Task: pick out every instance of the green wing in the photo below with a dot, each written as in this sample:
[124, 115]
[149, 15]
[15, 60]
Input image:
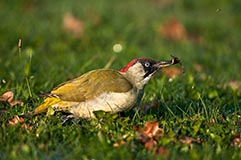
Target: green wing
[91, 84]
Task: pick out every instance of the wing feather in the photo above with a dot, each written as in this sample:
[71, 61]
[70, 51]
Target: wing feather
[91, 84]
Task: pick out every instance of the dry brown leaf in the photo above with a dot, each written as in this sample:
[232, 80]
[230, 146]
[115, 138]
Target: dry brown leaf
[19, 120]
[73, 25]
[237, 141]
[163, 151]
[173, 30]
[149, 136]
[116, 144]
[25, 126]
[235, 85]
[151, 129]
[186, 140]
[119, 143]
[197, 67]
[151, 145]
[136, 128]
[190, 140]
[13, 103]
[8, 97]
[172, 72]
[15, 120]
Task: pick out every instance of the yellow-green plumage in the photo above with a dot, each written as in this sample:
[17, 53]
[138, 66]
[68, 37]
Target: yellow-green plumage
[107, 90]
[92, 84]
[84, 88]
[49, 101]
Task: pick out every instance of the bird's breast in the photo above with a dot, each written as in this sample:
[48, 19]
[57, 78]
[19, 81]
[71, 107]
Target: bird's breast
[108, 102]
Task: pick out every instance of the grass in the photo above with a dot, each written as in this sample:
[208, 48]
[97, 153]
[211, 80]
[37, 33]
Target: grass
[195, 104]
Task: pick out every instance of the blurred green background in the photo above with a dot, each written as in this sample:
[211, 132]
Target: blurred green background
[214, 28]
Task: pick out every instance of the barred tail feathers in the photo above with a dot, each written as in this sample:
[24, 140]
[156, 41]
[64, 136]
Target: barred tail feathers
[48, 102]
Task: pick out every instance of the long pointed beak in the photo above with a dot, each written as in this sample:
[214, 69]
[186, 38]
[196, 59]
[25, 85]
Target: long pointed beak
[163, 64]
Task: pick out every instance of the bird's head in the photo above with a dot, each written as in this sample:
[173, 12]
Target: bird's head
[139, 71]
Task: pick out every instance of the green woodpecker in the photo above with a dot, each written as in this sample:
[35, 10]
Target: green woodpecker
[103, 89]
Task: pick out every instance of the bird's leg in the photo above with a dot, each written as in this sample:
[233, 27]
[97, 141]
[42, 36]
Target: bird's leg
[65, 118]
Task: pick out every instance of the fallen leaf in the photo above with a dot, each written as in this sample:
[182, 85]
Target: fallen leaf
[190, 140]
[19, 120]
[15, 120]
[197, 67]
[235, 85]
[151, 145]
[8, 97]
[73, 25]
[25, 126]
[236, 141]
[149, 136]
[173, 30]
[151, 129]
[119, 143]
[13, 103]
[116, 145]
[172, 72]
[136, 128]
[186, 140]
[163, 151]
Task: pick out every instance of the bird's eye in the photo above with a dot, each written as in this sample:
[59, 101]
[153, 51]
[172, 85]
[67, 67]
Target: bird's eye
[147, 64]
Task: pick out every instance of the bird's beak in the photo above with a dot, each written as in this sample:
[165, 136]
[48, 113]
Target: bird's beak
[163, 64]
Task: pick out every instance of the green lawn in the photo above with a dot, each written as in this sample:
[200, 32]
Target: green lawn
[198, 112]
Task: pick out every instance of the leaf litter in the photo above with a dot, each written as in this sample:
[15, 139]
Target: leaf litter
[149, 136]
[174, 30]
[73, 25]
[9, 98]
[18, 120]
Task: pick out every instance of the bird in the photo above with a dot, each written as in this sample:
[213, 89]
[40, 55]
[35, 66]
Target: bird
[105, 90]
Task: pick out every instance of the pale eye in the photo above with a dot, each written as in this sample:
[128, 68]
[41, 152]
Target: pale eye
[147, 64]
